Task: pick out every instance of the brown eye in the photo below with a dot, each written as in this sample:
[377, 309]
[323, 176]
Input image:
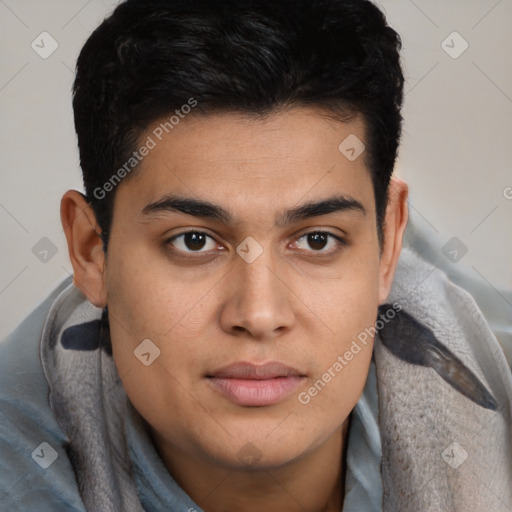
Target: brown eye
[317, 241]
[192, 241]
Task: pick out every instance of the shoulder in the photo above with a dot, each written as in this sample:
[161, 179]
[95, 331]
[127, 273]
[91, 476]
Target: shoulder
[35, 471]
[445, 390]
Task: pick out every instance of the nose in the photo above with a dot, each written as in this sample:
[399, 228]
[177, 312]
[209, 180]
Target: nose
[258, 298]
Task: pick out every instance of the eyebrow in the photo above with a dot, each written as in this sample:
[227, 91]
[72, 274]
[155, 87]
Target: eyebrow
[205, 209]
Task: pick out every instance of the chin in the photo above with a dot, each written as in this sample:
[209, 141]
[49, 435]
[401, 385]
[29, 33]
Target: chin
[259, 452]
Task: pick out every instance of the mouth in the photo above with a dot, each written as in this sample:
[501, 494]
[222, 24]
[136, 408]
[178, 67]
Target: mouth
[253, 385]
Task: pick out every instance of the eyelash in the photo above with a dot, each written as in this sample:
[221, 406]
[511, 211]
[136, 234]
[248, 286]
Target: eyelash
[189, 255]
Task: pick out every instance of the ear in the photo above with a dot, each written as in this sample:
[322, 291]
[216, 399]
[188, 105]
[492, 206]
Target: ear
[395, 223]
[85, 246]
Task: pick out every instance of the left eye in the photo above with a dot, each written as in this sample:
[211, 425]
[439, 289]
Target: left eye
[319, 240]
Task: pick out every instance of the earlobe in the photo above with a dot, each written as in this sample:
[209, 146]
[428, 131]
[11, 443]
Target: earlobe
[394, 227]
[85, 246]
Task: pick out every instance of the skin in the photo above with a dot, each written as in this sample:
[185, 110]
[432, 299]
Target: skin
[294, 304]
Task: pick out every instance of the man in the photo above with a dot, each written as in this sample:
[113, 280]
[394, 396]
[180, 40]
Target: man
[234, 256]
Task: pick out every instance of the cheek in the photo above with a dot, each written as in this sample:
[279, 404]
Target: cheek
[343, 358]
[341, 371]
[139, 310]
[148, 295]
[155, 302]
[351, 301]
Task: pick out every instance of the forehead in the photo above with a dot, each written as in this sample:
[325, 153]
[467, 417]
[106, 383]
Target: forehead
[258, 162]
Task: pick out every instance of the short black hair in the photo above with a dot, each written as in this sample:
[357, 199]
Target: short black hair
[151, 57]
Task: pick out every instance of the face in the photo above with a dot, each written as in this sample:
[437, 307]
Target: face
[251, 302]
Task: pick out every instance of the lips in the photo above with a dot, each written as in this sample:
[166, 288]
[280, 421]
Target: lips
[252, 385]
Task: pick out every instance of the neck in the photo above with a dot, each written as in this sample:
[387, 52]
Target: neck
[315, 482]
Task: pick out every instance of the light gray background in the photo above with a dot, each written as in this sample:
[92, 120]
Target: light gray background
[456, 151]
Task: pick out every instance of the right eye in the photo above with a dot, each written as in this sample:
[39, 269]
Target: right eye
[190, 242]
